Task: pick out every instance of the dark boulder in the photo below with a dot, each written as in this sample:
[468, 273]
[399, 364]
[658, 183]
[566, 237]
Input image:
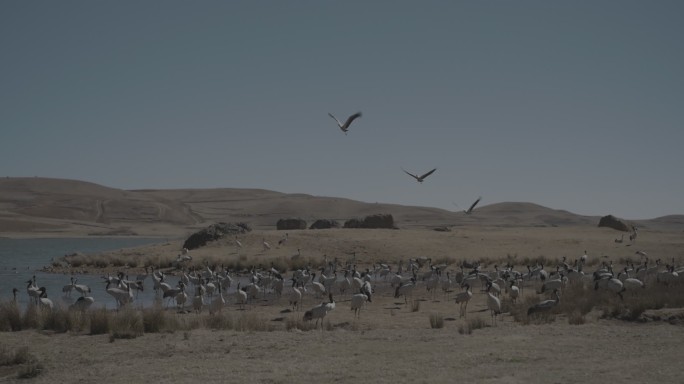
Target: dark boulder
[213, 233]
[290, 224]
[353, 223]
[379, 221]
[611, 221]
[324, 224]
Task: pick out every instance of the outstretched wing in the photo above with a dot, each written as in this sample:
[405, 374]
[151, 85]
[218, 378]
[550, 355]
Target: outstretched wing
[410, 174]
[474, 204]
[338, 122]
[350, 119]
[428, 174]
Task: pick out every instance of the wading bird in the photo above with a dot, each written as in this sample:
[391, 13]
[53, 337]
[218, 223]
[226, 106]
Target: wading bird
[318, 312]
[545, 305]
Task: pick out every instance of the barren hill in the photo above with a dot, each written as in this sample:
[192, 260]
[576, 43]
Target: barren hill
[43, 206]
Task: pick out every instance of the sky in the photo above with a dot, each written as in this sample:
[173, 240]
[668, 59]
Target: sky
[573, 105]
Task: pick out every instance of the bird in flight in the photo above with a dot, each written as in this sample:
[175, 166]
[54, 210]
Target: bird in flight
[419, 178]
[345, 127]
[472, 206]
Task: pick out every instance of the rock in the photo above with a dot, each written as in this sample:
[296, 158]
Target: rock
[353, 223]
[379, 221]
[213, 233]
[289, 224]
[442, 229]
[324, 224]
[611, 221]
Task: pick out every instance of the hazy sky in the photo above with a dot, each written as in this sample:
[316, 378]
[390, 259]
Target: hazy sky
[574, 105]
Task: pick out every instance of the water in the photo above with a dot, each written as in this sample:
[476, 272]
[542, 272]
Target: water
[21, 259]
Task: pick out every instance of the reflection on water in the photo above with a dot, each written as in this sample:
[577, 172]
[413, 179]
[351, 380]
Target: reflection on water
[21, 259]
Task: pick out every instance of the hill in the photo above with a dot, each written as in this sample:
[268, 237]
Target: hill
[44, 206]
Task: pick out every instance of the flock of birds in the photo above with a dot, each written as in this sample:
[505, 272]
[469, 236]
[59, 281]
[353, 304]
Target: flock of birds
[208, 288]
[419, 178]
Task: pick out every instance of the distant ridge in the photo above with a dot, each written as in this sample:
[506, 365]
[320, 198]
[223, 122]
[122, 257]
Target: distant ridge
[46, 205]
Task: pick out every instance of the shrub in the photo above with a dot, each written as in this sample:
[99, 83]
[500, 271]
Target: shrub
[252, 322]
[154, 319]
[10, 317]
[32, 318]
[99, 322]
[220, 321]
[436, 320]
[470, 325]
[415, 305]
[127, 324]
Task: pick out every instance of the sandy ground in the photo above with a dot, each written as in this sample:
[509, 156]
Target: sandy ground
[390, 342]
[508, 353]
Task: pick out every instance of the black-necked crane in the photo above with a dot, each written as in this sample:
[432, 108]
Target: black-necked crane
[295, 296]
[320, 311]
[545, 305]
[472, 206]
[172, 293]
[82, 303]
[420, 178]
[462, 298]
[514, 292]
[218, 302]
[493, 303]
[358, 301]
[182, 296]
[406, 290]
[241, 297]
[32, 290]
[283, 240]
[43, 299]
[631, 284]
[184, 256]
[121, 296]
[610, 283]
[198, 299]
[345, 127]
[80, 288]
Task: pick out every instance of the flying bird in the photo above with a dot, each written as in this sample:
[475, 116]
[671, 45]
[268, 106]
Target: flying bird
[472, 206]
[345, 127]
[419, 178]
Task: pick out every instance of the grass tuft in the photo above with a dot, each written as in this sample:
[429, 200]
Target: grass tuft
[99, 322]
[127, 324]
[10, 317]
[436, 321]
[415, 305]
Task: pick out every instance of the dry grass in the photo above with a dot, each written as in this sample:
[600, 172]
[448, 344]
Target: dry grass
[127, 324]
[470, 325]
[29, 366]
[10, 317]
[436, 320]
[578, 300]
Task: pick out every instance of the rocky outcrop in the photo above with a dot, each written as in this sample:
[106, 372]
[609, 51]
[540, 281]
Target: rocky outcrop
[379, 221]
[611, 221]
[372, 221]
[324, 224]
[290, 224]
[213, 233]
[353, 223]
